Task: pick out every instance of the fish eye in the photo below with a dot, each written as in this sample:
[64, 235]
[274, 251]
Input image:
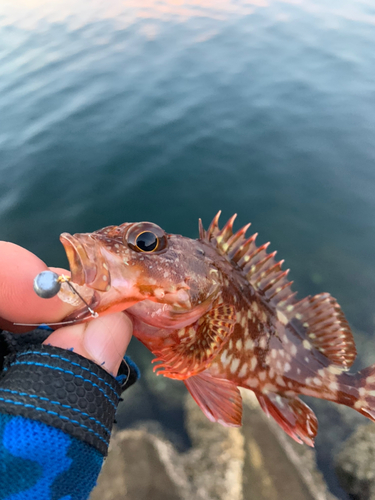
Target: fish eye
[146, 237]
[147, 241]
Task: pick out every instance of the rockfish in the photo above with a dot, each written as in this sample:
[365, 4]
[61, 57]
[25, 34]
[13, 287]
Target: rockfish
[219, 313]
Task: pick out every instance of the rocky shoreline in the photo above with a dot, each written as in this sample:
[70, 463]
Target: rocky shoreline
[257, 462]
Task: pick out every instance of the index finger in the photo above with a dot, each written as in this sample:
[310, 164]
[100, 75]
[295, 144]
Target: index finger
[18, 301]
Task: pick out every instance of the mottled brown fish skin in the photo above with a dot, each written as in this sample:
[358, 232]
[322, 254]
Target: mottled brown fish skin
[219, 313]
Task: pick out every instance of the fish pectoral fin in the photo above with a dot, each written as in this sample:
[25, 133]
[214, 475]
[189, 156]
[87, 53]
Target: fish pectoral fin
[325, 327]
[219, 399]
[190, 349]
[292, 415]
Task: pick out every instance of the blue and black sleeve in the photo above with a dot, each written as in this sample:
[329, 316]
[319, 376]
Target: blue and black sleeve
[56, 414]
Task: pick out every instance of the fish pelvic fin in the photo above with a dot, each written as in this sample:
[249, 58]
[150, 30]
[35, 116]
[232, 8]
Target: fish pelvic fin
[219, 399]
[320, 321]
[192, 348]
[262, 269]
[292, 415]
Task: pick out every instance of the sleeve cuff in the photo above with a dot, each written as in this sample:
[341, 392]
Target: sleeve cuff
[62, 389]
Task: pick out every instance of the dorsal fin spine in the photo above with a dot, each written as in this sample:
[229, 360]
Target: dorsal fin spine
[227, 230]
[202, 232]
[248, 245]
[282, 288]
[256, 271]
[259, 267]
[268, 288]
[235, 242]
[214, 226]
[254, 258]
[272, 273]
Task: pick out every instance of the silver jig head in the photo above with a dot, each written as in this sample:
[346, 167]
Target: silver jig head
[47, 284]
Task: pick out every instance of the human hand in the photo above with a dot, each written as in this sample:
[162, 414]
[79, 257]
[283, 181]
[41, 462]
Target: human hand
[103, 340]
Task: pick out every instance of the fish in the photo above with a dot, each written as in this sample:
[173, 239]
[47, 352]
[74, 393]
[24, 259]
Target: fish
[218, 313]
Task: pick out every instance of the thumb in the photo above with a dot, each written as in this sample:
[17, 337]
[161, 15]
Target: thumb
[103, 340]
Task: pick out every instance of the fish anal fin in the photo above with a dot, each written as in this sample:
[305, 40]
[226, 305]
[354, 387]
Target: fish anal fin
[190, 349]
[322, 322]
[219, 399]
[292, 415]
[262, 270]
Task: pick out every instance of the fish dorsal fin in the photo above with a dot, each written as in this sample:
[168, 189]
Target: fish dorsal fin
[262, 270]
[292, 415]
[190, 349]
[219, 399]
[322, 323]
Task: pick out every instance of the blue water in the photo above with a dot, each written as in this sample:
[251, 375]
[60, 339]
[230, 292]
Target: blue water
[168, 111]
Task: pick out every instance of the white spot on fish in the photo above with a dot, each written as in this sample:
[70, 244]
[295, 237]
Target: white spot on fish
[224, 358]
[336, 370]
[289, 393]
[243, 370]
[263, 343]
[333, 386]
[252, 382]
[287, 367]
[269, 388]
[249, 344]
[235, 364]
[262, 375]
[239, 344]
[306, 344]
[281, 317]
[280, 381]
[253, 363]
[293, 350]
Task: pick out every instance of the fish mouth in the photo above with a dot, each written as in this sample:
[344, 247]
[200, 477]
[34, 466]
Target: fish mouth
[86, 262]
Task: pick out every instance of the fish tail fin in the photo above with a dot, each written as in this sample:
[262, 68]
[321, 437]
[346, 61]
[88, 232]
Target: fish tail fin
[364, 402]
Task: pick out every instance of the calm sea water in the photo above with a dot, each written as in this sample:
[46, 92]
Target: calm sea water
[114, 111]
